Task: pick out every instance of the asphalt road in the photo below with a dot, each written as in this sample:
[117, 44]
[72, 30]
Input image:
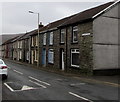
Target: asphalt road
[27, 83]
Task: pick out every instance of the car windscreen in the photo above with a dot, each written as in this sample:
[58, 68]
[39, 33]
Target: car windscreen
[1, 62]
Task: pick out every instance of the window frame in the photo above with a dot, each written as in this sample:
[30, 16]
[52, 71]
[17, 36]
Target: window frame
[62, 34]
[51, 51]
[36, 40]
[74, 29]
[20, 45]
[20, 54]
[72, 52]
[32, 41]
[51, 38]
[44, 38]
[27, 56]
[36, 55]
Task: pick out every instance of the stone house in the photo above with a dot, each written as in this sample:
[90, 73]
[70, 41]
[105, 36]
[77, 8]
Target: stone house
[86, 42]
[28, 43]
[16, 45]
[49, 44]
[106, 43]
[34, 47]
[67, 44]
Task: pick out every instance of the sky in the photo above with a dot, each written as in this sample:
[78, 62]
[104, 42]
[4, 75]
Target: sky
[16, 19]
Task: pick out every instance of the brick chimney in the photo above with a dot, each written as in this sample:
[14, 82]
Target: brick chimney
[41, 25]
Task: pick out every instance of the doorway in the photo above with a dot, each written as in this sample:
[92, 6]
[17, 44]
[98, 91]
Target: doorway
[44, 57]
[62, 64]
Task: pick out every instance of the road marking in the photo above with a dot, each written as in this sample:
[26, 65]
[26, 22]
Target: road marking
[9, 87]
[25, 87]
[17, 72]
[98, 81]
[80, 97]
[40, 81]
[37, 84]
[77, 84]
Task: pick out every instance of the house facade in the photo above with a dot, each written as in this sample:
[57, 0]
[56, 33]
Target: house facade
[86, 42]
[106, 39]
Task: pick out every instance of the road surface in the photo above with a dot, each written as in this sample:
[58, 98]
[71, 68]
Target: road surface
[27, 83]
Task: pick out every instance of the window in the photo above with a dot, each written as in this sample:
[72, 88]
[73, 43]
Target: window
[50, 56]
[62, 35]
[75, 57]
[44, 39]
[1, 62]
[32, 41]
[75, 34]
[51, 38]
[20, 44]
[36, 40]
[36, 55]
[27, 57]
[20, 55]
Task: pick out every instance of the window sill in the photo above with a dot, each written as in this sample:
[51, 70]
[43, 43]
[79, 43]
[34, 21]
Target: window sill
[50, 45]
[74, 42]
[44, 45]
[74, 66]
[61, 43]
[51, 63]
[36, 60]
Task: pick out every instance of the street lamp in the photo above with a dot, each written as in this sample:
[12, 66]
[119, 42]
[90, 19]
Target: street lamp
[38, 35]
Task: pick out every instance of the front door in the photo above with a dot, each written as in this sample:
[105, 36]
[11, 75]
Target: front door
[62, 66]
[44, 57]
[32, 57]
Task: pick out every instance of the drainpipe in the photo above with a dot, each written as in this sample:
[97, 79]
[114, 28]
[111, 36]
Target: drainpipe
[66, 51]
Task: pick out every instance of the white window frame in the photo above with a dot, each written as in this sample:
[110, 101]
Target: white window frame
[20, 44]
[74, 29]
[72, 52]
[44, 38]
[36, 40]
[20, 54]
[27, 57]
[32, 41]
[36, 55]
[50, 51]
[51, 38]
[62, 32]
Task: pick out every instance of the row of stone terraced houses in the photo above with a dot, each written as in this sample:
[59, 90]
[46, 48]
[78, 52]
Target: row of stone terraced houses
[86, 42]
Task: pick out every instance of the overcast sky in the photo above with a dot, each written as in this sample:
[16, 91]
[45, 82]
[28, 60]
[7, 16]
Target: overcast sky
[16, 19]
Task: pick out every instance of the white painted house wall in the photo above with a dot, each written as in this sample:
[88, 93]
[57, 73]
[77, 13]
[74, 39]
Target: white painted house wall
[105, 39]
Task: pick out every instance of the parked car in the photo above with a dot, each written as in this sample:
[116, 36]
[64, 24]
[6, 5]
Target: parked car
[3, 69]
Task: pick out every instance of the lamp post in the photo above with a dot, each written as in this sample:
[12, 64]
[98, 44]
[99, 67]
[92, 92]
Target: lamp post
[38, 35]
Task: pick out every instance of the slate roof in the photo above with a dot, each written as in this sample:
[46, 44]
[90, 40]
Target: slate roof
[76, 18]
[26, 35]
[87, 14]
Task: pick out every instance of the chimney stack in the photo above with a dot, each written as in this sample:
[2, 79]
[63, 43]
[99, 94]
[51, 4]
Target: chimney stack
[41, 25]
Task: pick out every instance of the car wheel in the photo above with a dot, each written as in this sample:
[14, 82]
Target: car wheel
[4, 77]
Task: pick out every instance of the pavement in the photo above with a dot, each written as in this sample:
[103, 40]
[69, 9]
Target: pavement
[113, 80]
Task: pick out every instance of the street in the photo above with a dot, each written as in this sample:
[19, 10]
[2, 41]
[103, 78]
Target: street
[27, 83]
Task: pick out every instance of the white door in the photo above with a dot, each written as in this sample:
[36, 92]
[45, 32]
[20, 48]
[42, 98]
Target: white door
[63, 66]
[32, 56]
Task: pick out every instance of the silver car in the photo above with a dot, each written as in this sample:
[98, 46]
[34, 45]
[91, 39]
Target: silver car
[3, 69]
